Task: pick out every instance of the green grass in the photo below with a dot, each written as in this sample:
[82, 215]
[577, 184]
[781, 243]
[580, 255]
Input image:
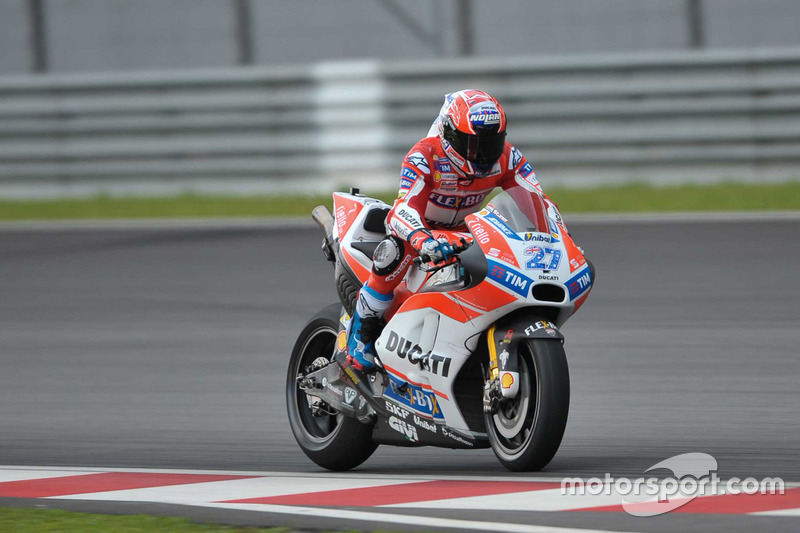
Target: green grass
[624, 198]
[13, 520]
[19, 520]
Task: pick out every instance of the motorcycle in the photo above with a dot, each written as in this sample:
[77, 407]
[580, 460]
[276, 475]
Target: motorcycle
[471, 354]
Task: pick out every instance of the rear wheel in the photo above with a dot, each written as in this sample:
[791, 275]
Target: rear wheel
[526, 431]
[333, 441]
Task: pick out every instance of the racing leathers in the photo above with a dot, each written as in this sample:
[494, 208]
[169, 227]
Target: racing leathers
[434, 195]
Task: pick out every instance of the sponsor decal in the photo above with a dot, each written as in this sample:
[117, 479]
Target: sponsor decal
[406, 183]
[543, 258]
[419, 161]
[400, 269]
[452, 154]
[409, 174]
[409, 218]
[503, 358]
[351, 374]
[480, 233]
[551, 332]
[442, 164]
[526, 172]
[526, 183]
[507, 380]
[508, 336]
[509, 278]
[502, 226]
[396, 410]
[349, 395]
[484, 114]
[537, 237]
[341, 341]
[516, 158]
[555, 233]
[328, 385]
[578, 284]
[456, 437]
[574, 264]
[547, 277]
[414, 397]
[542, 324]
[425, 424]
[449, 201]
[344, 319]
[429, 361]
[407, 430]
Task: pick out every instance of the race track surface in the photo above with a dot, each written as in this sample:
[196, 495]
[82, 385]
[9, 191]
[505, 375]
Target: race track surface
[168, 348]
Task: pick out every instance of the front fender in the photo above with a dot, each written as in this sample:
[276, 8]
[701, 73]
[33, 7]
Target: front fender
[504, 337]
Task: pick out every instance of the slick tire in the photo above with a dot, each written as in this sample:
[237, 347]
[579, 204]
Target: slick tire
[525, 433]
[334, 442]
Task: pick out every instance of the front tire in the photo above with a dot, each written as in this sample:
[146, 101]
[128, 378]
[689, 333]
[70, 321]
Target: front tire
[335, 442]
[526, 431]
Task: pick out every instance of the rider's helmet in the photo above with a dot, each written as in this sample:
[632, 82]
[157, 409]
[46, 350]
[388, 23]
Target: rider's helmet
[472, 128]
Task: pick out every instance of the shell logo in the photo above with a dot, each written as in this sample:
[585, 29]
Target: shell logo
[437, 176]
[507, 380]
[341, 340]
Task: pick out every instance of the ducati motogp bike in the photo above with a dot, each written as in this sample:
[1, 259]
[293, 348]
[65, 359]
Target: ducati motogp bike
[471, 354]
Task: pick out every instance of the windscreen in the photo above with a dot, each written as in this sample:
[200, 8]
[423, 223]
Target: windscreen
[523, 210]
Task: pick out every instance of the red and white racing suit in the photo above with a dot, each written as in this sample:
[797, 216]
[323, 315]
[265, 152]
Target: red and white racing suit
[435, 195]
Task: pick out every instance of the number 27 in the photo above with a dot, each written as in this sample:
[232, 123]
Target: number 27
[544, 259]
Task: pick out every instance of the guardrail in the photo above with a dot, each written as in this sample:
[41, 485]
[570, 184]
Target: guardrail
[662, 117]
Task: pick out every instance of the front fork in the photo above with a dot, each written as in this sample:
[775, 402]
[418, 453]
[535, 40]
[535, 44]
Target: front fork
[503, 380]
[503, 338]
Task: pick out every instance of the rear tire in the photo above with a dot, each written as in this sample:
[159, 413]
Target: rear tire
[333, 442]
[526, 432]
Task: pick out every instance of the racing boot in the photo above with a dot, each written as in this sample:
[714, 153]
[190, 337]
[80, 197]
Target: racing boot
[364, 328]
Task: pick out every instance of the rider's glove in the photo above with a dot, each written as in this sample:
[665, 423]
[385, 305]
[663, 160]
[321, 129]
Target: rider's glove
[439, 251]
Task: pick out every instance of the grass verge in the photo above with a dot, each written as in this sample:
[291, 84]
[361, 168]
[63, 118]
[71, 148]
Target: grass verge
[17, 520]
[24, 520]
[616, 199]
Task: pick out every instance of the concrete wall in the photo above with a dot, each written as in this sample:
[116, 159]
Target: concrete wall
[100, 35]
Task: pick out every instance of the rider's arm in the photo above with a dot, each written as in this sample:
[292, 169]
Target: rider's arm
[406, 219]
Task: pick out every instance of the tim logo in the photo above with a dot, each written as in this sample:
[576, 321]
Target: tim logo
[457, 202]
[509, 278]
[578, 284]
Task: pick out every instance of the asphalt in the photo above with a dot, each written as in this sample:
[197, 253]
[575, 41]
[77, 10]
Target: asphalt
[168, 348]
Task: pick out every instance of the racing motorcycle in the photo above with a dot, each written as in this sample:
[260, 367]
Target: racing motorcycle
[471, 354]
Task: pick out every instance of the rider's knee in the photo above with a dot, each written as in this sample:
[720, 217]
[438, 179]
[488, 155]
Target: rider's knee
[388, 256]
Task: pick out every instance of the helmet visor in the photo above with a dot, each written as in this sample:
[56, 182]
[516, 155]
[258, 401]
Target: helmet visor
[481, 150]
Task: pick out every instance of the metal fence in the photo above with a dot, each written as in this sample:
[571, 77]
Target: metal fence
[660, 117]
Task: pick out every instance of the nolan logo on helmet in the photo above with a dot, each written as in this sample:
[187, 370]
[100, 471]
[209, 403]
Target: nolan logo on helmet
[484, 114]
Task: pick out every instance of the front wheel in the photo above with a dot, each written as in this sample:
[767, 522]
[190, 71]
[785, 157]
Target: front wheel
[526, 431]
[333, 441]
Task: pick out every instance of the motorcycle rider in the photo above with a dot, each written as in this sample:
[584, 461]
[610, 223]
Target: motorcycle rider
[444, 177]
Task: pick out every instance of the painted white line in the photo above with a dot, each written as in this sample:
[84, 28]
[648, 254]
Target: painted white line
[235, 489]
[535, 500]
[306, 222]
[781, 512]
[411, 520]
[31, 475]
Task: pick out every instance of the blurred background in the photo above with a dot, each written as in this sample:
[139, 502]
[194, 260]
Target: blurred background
[161, 97]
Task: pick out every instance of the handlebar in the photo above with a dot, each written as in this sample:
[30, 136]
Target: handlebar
[457, 249]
